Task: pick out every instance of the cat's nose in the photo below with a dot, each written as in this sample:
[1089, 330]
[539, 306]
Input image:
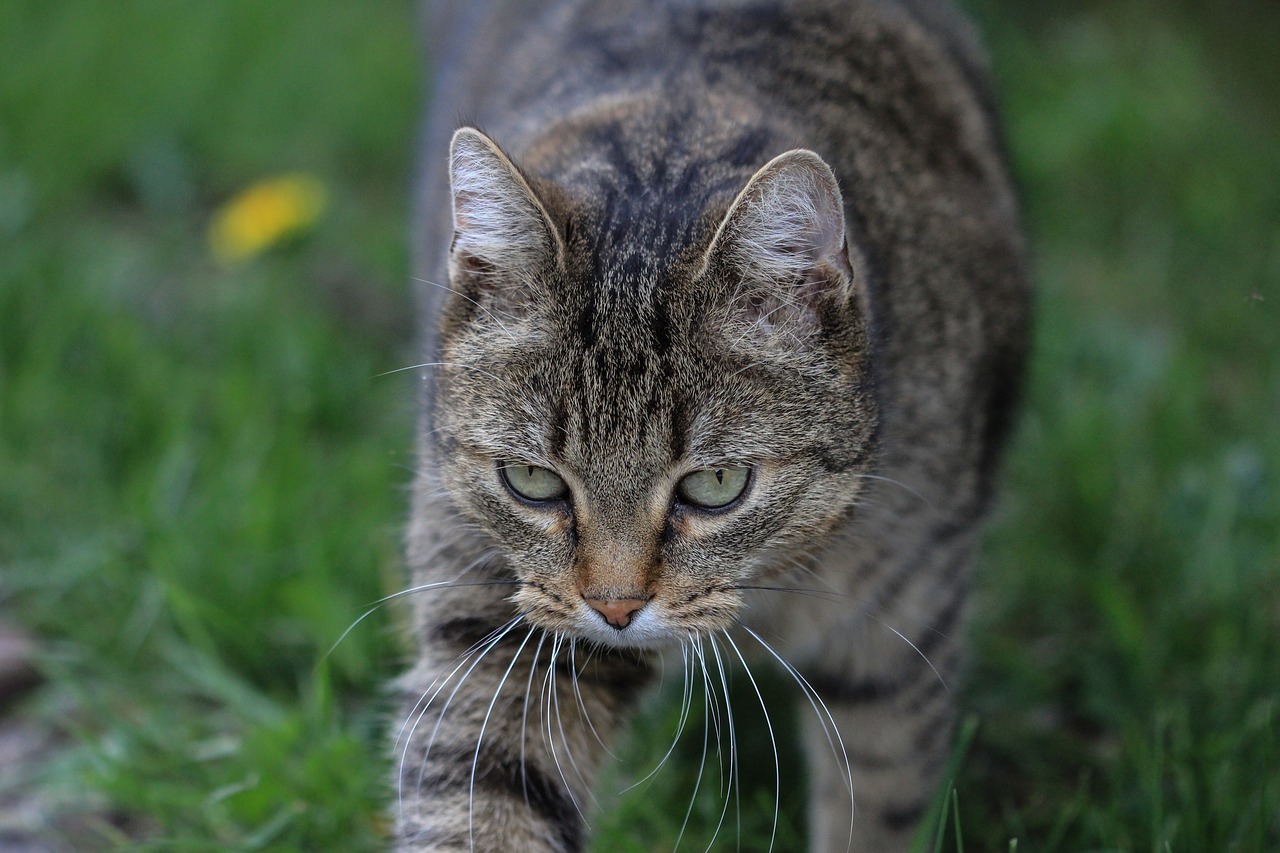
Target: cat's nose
[617, 611]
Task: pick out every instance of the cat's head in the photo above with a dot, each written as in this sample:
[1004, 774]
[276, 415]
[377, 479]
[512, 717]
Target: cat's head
[641, 435]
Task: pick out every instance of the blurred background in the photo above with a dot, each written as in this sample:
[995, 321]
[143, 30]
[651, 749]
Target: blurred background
[203, 457]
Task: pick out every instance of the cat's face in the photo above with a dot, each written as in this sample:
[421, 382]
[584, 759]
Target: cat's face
[641, 441]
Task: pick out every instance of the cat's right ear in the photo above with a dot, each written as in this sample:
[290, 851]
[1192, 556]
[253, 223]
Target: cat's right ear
[500, 228]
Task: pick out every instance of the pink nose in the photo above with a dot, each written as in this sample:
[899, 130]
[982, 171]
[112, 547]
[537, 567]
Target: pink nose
[617, 611]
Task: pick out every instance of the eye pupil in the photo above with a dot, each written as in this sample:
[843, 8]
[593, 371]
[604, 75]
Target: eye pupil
[720, 476]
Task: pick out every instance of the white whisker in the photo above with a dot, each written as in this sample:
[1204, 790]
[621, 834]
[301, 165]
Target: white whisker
[686, 703]
[777, 767]
[901, 485]
[462, 295]
[429, 695]
[555, 694]
[549, 692]
[734, 770]
[916, 648]
[435, 730]
[706, 733]
[582, 705]
[475, 760]
[824, 717]
[436, 364]
[524, 715]
[377, 605]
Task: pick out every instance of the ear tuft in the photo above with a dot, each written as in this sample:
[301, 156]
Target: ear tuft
[499, 224]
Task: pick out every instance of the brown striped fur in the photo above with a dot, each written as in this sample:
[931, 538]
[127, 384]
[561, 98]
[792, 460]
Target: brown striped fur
[699, 234]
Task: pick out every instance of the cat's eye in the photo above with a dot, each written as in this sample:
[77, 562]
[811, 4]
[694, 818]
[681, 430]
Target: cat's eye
[533, 483]
[713, 488]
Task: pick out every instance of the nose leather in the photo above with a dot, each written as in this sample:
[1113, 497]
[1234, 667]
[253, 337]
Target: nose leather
[617, 612]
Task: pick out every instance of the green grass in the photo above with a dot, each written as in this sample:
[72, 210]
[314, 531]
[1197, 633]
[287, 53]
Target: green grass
[202, 473]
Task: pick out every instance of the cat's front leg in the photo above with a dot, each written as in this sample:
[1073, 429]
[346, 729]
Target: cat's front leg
[889, 743]
[502, 730]
[896, 746]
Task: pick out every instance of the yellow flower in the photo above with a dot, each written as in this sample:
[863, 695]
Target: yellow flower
[264, 214]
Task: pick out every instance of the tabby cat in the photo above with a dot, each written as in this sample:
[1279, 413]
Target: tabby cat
[725, 313]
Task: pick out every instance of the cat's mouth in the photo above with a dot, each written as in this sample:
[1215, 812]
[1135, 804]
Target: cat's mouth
[645, 628]
[653, 622]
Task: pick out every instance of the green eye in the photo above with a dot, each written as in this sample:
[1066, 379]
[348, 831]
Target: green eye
[533, 483]
[712, 488]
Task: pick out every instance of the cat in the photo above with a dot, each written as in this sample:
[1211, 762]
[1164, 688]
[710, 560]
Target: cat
[725, 307]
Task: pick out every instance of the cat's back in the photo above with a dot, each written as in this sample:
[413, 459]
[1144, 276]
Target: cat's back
[514, 65]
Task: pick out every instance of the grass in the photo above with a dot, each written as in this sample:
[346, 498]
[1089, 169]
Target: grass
[202, 470]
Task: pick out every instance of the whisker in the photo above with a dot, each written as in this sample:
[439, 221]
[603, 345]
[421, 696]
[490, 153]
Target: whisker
[715, 699]
[824, 716]
[435, 730]
[475, 760]
[777, 767]
[436, 364]
[429, 695]
[734, 771]
[822, 594]
[582, 705]
[524, 717]
[548, 691]
[456, 292]
[864, 608]
[686, 703]
[706, 732]
[915, 648]
[662, 666]
[901, 485]
[461, 661]
[555, 693]
[377, 605]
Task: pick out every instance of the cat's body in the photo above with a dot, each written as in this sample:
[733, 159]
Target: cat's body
[632, 303]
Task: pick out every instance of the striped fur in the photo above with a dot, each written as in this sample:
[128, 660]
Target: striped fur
[694, 235]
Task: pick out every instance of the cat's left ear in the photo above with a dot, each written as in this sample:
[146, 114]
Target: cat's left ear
[784, 238]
